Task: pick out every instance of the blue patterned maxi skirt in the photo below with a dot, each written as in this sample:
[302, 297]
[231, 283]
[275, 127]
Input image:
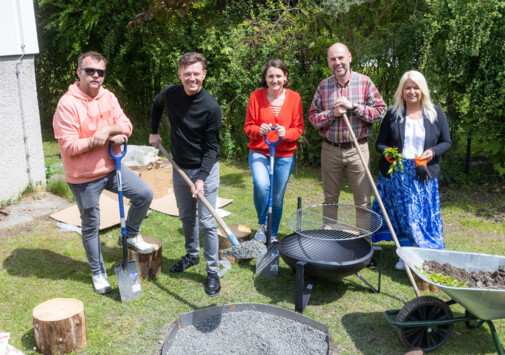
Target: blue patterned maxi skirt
[413, 209]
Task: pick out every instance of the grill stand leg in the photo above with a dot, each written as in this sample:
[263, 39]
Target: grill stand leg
[302, 293]
[378, 290]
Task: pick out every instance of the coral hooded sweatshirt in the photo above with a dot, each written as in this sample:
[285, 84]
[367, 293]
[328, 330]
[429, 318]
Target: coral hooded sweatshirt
[77, 117]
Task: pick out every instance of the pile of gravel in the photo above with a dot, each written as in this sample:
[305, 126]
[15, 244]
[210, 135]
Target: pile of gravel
[249, 332]
[246, 250]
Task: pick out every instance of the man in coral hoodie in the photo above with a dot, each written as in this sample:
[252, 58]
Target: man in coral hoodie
[86, 119]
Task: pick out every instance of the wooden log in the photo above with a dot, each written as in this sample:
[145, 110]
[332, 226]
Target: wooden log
[59, 326]
[148, 265]
[243, 233]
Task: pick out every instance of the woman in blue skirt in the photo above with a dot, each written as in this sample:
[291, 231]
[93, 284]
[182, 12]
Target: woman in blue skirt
[420, 132]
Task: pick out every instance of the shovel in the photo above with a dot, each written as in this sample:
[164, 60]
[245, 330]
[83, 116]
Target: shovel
[127, 275]
[268, 263]
[379, 200]
[201, 197]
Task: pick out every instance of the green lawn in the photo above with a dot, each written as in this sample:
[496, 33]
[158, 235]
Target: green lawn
[38, 263]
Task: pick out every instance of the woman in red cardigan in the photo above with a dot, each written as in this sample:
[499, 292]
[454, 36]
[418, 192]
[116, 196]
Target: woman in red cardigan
[276, 106]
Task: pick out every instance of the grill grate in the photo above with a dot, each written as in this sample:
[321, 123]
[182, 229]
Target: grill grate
[334, 222]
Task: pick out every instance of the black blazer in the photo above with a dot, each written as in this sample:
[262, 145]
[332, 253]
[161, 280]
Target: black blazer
[392, 132]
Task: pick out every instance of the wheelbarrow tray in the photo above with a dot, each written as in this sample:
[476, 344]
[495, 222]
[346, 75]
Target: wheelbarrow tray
[483, 303]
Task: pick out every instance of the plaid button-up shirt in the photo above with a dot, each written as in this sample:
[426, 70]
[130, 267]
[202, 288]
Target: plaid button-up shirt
[358, 89]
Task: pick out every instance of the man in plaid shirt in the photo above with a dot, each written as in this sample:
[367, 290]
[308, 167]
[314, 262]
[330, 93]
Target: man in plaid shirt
[355, 94]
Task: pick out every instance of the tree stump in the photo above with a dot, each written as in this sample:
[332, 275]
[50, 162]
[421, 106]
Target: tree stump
[148, 265]
[59, 326]
[242, 233]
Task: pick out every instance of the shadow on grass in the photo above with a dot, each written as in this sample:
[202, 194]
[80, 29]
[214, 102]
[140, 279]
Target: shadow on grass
[28, 340]
[43, 263]
[366, 331]
[372, 334]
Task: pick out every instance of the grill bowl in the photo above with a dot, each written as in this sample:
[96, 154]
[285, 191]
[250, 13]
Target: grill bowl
[326, 258]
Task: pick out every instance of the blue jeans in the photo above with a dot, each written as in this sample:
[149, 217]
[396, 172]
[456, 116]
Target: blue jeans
[187, 206]
[260, 169]
[87, 197]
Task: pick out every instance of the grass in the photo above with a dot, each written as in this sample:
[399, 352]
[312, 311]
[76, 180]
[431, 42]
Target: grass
[39, 263]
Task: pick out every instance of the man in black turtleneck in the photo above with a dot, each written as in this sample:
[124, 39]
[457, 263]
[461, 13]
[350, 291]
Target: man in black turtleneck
[195, 123]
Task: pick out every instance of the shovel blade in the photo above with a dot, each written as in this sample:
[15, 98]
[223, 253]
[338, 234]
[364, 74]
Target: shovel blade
[268, 263]
[128, 281]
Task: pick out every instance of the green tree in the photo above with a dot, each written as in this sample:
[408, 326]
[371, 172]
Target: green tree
[464, 58]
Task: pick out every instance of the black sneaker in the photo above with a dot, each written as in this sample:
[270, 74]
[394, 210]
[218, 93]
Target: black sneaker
[213, 285]
[185, 262]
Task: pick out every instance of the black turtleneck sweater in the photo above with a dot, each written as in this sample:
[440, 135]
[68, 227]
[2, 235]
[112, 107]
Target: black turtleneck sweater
[195, 123]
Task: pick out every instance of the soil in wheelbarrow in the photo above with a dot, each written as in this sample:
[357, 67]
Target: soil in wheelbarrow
[481, 279]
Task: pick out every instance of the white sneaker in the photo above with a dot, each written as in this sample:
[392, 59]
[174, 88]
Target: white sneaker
[260, 235]
[399, 265]
[137, 243]
[101, 284]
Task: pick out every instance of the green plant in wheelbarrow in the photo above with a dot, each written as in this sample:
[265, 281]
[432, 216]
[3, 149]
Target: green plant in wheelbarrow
[441, 279]
[394, 158]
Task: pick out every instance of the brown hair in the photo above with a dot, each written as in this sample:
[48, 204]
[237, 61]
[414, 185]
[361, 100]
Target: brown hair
[95, 55]
[274, 63]
[192, 58]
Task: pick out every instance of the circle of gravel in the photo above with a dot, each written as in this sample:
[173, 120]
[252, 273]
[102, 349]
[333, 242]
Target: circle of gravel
[247, 250]
[249, 332]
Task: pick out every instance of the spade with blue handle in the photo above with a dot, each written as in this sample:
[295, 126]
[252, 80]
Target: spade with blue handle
[128, 279]
[268, 264]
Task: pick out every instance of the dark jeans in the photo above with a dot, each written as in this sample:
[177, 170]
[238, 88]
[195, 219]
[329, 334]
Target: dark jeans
[87, 197]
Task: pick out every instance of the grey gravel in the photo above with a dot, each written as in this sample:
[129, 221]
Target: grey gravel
[249, 332]
[247, 250]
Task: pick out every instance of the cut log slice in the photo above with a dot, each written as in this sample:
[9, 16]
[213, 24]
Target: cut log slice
[148, 265]
[59, 326]
[243, 234]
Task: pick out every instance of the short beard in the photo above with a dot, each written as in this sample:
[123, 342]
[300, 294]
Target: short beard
[335, 73]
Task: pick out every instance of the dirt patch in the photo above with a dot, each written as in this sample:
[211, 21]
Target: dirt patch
[28, 208]
[481, 279]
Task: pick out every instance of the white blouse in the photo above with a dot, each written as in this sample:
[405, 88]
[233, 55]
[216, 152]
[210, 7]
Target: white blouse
[413, 143]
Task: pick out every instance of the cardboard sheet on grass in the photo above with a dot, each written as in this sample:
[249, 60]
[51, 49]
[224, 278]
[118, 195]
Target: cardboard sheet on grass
[109, 209]
[157, 174]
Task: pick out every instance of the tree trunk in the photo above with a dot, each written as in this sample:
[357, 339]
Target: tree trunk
[148, 265]
[59, 326]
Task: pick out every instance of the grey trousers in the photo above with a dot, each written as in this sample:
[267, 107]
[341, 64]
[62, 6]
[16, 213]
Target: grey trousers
[87, 197]
[187, 206]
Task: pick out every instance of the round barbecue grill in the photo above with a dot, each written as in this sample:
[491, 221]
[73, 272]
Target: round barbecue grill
[330, 239]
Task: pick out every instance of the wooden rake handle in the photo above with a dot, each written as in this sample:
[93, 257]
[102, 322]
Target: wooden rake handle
[201, 197]
[377, 196]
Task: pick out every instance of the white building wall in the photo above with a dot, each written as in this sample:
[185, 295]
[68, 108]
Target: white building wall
[15, 168]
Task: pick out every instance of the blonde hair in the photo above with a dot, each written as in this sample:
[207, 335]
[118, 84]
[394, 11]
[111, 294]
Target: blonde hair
[426, 104]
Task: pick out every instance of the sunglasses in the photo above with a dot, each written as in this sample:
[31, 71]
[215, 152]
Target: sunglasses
[92, 71]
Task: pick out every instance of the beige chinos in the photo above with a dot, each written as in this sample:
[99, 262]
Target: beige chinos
[335, 162]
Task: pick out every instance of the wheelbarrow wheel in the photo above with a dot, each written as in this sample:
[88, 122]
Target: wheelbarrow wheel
[424, 309]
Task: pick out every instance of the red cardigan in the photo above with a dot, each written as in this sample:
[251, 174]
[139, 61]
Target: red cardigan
[290, 117]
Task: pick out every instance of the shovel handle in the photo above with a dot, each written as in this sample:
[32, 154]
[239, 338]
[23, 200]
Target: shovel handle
[379, 200]
[201, 197]
[271, 144]
[117, 160]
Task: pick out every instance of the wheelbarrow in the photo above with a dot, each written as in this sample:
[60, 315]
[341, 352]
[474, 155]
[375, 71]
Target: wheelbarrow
[426, 322]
